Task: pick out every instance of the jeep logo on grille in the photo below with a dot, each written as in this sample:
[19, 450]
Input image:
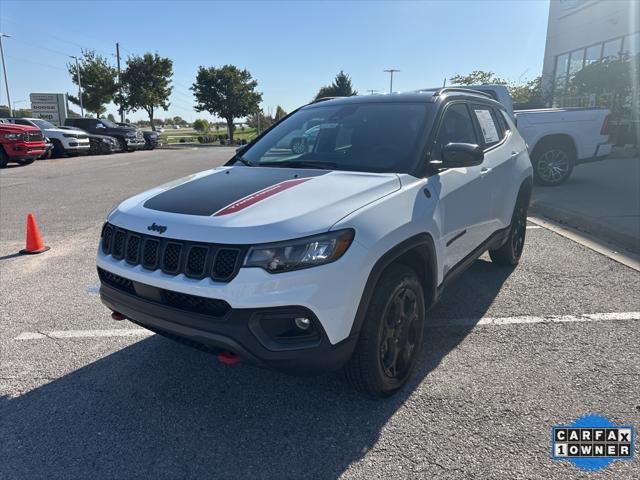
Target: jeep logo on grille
[157, 228]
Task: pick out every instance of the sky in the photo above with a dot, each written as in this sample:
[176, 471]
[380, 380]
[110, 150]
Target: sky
[291, 48]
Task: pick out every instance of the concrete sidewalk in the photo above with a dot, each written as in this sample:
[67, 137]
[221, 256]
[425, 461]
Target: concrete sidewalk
[602, 199]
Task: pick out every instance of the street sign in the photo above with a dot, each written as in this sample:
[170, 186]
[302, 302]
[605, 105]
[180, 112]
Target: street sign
[49, 106]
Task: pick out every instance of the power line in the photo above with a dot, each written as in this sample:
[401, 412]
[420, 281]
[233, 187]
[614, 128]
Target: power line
[20, 59]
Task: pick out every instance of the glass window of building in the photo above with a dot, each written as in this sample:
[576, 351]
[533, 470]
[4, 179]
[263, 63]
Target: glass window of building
[562, 63]
[576, 60]
[612, 48]
[593, 54]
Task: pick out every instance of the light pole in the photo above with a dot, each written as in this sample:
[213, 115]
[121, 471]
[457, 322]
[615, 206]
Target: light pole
[391, 71]
[371, 92]
[79, 86]
[4, 69]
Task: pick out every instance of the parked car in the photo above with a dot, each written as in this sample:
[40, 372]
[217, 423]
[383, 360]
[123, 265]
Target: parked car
[99, 144]
[48, 149]
[558, 138]
[21, 144]
[330, 258]
[64, 142]
[151, 138]
[129, 139]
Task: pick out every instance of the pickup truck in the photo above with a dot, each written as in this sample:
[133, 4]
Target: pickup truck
[129, 138]
[151, 139]
[558, 138]
[20, 144]
[64, 142]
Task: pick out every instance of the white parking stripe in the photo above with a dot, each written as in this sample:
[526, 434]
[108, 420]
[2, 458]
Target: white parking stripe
[121, 332]
[484, 321]
[587, 317]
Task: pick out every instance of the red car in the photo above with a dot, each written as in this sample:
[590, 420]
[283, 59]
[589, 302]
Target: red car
[20, 143]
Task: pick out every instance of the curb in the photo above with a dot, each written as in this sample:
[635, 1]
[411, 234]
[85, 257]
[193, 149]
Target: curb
[587, 225]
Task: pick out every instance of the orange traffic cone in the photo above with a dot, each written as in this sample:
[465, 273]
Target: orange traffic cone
[34, 242]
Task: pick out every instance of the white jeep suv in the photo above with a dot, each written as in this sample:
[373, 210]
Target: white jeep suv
[329, 257]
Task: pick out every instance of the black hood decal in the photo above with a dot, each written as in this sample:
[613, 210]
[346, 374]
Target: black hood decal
[210, 194]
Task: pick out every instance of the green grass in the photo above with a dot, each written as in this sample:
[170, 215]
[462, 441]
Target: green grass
[190, 135]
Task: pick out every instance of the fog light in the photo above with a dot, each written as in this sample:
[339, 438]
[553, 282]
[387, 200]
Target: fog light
[302, 323]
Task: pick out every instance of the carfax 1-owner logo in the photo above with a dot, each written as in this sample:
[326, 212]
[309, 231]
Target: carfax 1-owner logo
[592, 442]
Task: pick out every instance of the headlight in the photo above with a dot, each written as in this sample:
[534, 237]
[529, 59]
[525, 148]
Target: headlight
[69, 135]
[131, 135]
[302, 253]
[15, 136]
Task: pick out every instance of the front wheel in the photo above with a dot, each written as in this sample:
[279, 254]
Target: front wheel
[511, 251]
[26, 161]
[552, 165]
[391, 337]
[4, 159]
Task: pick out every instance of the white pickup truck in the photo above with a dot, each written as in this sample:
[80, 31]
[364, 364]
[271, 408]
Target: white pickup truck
[558, 138]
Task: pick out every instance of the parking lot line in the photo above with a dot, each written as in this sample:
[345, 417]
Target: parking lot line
[484, 321]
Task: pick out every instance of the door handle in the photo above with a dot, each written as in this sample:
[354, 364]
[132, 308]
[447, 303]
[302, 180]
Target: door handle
[485, 170]
[514, 154]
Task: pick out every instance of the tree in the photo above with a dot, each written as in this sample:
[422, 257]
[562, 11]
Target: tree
[201, 125]
[260, 121]
[98, 80]
[477, 77]
[280, 113]
[226, 92]
[146, 83]
[111, 118]
[341, 87]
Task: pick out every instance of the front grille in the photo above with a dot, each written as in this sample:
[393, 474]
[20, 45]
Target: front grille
[182, 301]
[34, 136]
[173, 257]
[82, 137]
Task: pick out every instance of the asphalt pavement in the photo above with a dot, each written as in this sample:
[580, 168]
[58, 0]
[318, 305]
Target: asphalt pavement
[507, 354]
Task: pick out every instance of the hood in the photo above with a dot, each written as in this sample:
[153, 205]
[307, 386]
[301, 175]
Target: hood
[13, 128]
[249, 205]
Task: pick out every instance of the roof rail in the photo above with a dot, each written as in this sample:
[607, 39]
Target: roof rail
[442, 90]
[323, 99]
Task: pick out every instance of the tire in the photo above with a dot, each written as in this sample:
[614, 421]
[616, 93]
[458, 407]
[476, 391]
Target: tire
[26, 161]
[123, 144]
[3, 158]
[509, 254]
[553, 163]
[58, 150]
[373, 368]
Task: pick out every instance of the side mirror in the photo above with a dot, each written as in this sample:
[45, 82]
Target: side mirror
[456, 155]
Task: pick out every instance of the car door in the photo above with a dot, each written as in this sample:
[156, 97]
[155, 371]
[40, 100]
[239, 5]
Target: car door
[500, 155]
[464, 199]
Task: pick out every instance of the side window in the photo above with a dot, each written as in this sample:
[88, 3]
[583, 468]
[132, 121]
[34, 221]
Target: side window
[456, 127]
[22, 122]
[491, 133]
[502, 120]
[98, 124]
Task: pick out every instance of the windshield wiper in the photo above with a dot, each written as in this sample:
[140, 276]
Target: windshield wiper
[301, 164]
[244, 161]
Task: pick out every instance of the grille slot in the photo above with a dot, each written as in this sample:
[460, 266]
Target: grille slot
[133, 249]
[150, 254]
[225, 263]
[196, 261]
[118, 244]
[171, 258]
[174, 257]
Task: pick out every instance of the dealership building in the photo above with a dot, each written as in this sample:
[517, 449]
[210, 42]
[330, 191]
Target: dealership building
[581, 32]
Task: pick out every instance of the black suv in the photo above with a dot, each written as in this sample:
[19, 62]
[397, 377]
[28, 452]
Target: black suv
[129, 138]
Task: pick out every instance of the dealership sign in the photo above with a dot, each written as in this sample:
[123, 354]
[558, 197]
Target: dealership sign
[49, 106]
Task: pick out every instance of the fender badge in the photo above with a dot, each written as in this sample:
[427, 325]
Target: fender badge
[158, 228]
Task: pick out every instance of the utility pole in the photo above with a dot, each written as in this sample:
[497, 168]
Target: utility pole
[391, 71]
[120, 85]
[4, 69]
[79, 86]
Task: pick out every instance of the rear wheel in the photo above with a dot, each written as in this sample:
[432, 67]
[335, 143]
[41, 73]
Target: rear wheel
[511, 251]
[553, 164]
[391, 337]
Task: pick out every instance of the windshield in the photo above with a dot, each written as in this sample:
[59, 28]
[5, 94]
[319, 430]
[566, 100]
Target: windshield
[108, 123]
[43, 124]
[370, 137]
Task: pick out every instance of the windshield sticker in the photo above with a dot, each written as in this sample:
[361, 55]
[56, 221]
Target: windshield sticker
[489, 130]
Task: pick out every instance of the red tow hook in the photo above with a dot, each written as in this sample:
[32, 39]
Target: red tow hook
[118, 316]
[228, 358]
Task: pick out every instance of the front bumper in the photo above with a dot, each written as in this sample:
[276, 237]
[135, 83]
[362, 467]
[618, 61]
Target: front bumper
[237, 330]
[135, 143]
[23, 150]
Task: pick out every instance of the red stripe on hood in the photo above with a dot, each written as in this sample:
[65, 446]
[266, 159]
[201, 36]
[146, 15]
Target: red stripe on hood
[259, 196]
